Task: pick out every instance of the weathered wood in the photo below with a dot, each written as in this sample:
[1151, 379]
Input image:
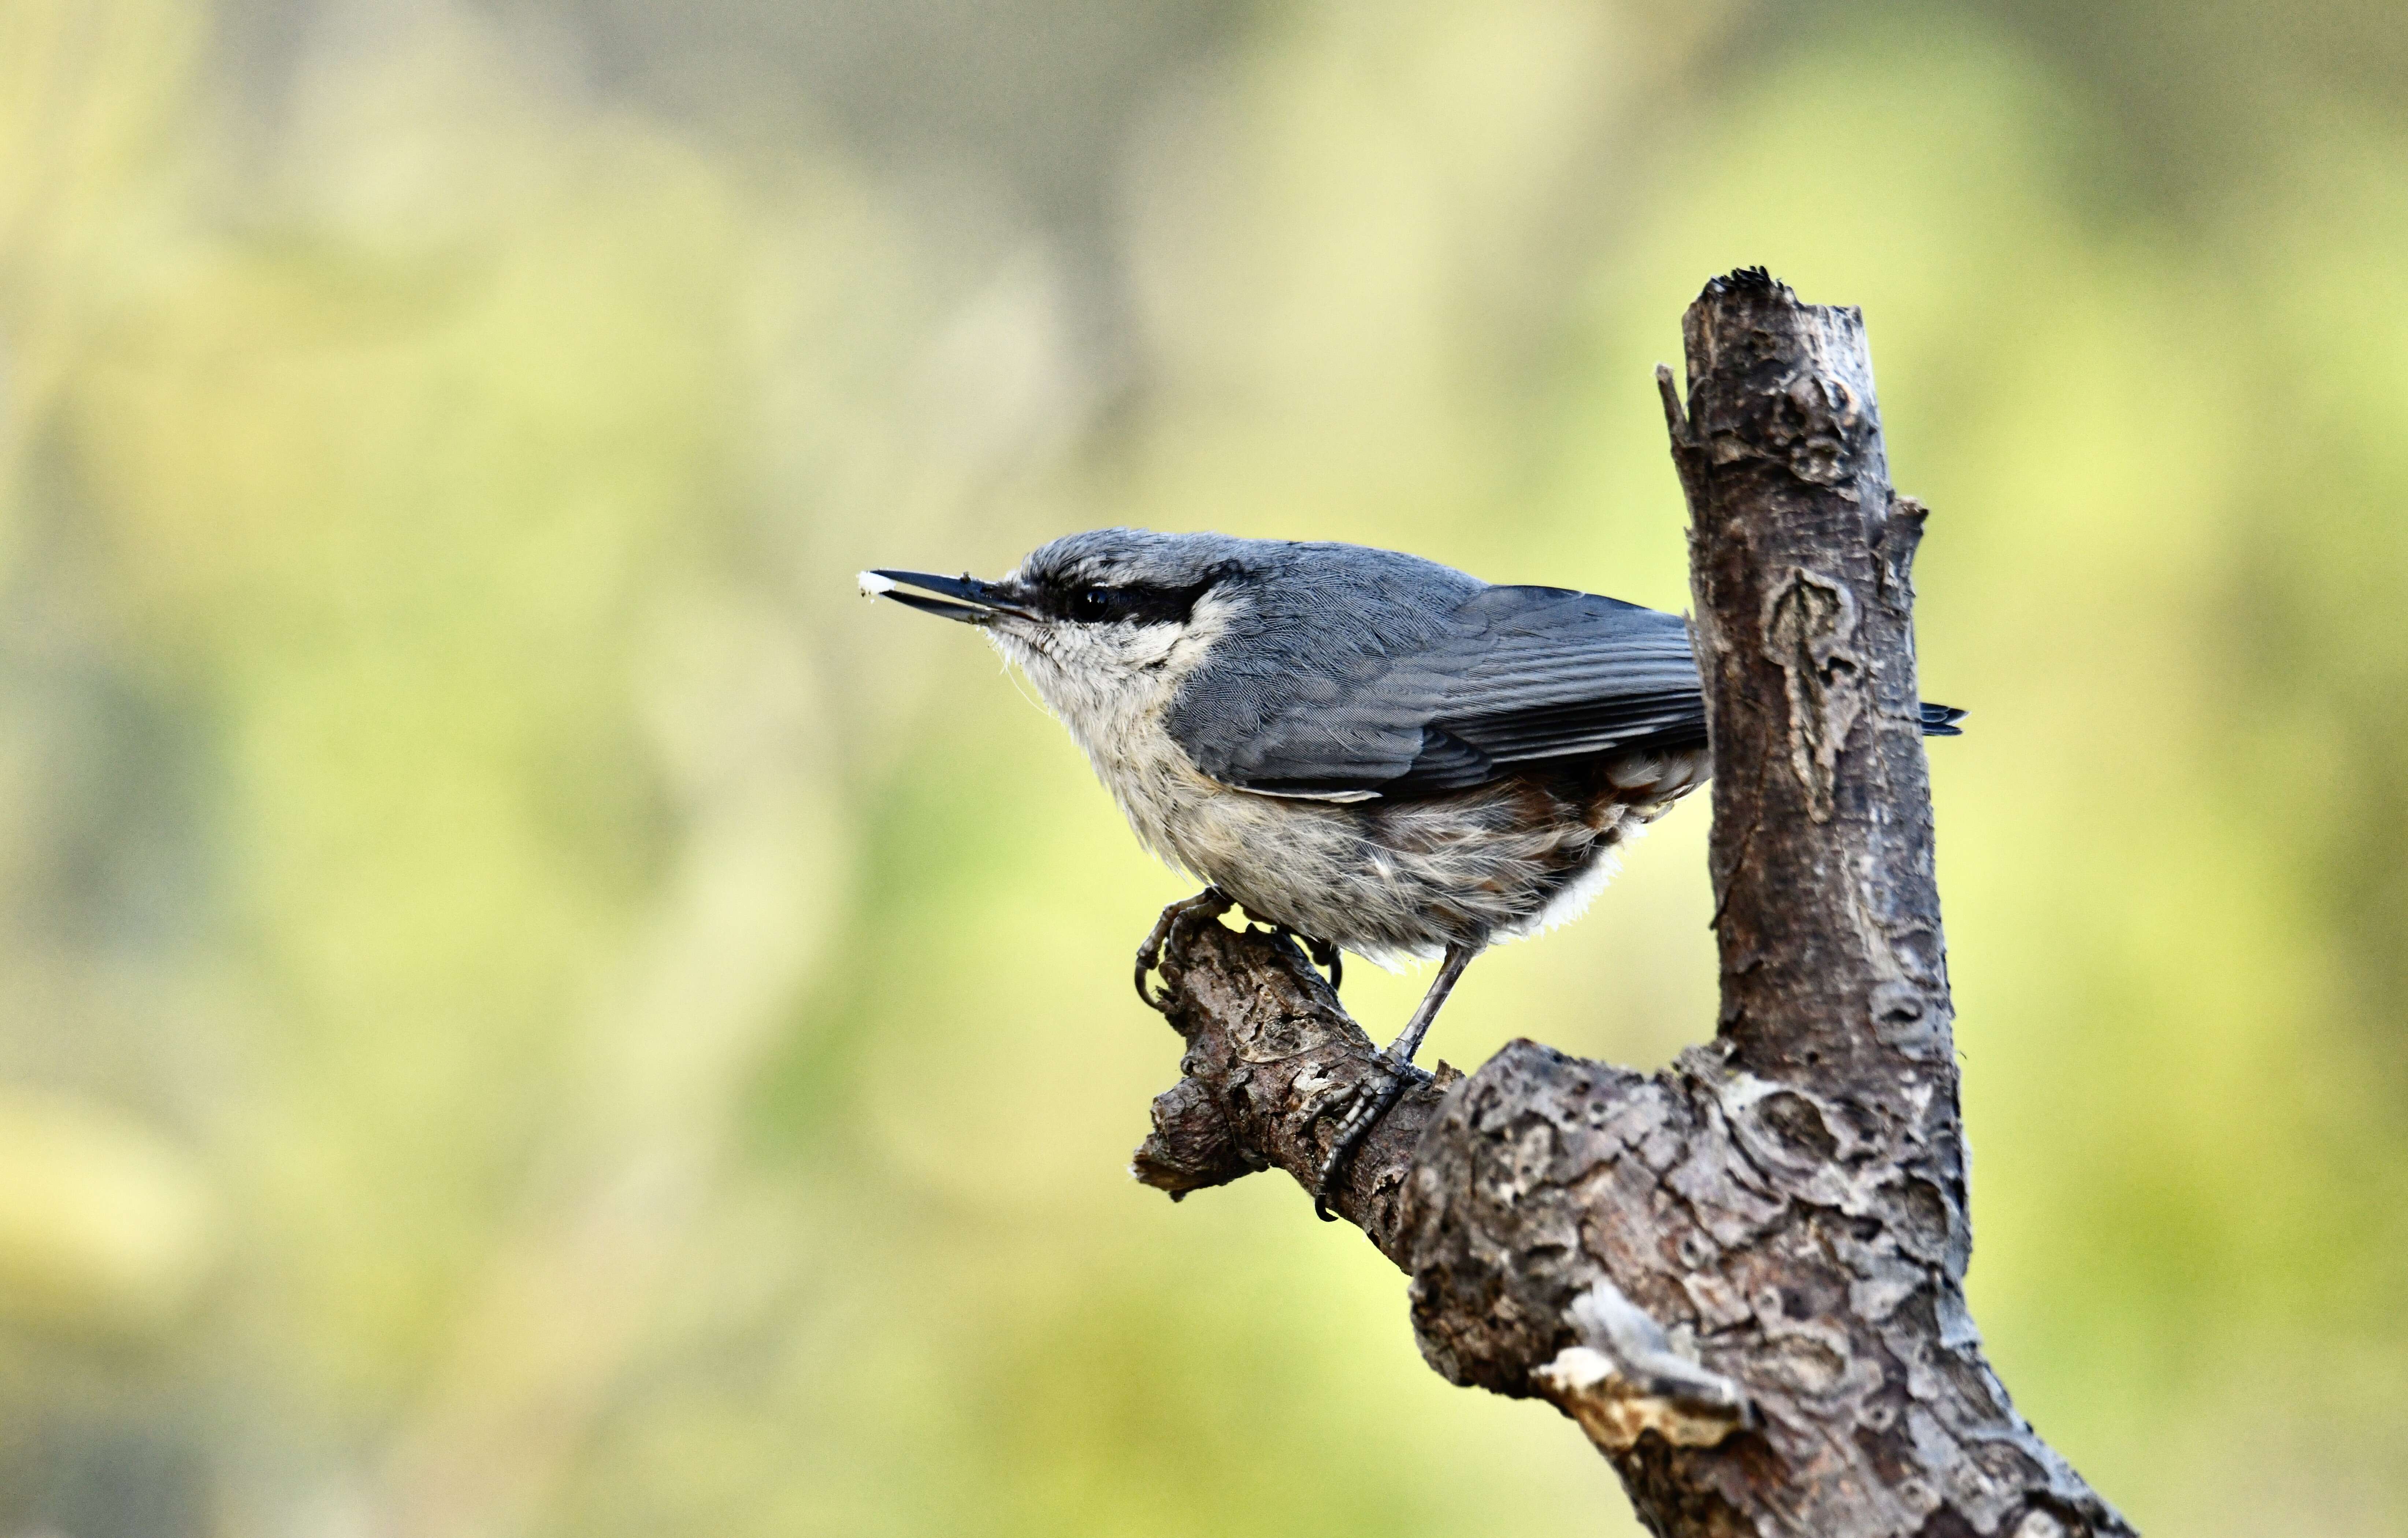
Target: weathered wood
[1743, 1276]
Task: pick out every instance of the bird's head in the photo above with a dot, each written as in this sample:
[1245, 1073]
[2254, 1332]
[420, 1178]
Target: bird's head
[1104, 622]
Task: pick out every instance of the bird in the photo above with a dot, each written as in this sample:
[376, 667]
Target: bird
[1370, 750]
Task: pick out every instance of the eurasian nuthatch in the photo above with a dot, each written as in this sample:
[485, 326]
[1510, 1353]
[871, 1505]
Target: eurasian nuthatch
[1372, 751]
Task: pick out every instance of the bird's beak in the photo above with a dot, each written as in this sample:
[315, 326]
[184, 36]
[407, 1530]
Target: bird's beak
[962, 597]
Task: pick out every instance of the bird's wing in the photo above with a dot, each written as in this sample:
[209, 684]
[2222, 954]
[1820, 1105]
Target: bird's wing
[1509, 677]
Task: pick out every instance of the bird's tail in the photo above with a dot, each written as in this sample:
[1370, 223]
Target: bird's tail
[1940, 720]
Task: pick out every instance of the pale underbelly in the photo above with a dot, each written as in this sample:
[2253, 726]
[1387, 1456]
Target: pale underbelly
[1401, 880]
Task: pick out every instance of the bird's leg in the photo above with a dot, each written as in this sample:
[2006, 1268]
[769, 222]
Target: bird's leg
[1211, 902]
[1364, 1110]
[1407, 1042]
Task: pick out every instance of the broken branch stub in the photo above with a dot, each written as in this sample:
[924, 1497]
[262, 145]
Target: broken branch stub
[1743, 1276]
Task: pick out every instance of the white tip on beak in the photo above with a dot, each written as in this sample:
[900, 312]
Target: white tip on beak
[873, 584]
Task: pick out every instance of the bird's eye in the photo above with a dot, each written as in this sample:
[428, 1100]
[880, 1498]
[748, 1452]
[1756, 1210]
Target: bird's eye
[1091, 604]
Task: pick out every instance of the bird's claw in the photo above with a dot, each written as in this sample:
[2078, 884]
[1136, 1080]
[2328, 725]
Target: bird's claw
[1211, 902]
[1330, 958]
[1364, 1108]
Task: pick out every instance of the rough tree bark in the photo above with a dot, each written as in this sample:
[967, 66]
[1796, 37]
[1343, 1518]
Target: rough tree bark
[1743, 1276]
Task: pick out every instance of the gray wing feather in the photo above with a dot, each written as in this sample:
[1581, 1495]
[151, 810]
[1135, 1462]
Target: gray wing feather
[1448, 689]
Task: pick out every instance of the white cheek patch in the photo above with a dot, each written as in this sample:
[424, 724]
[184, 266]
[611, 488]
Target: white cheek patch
[1106, 683]
[1205, 625]
[1151, 646]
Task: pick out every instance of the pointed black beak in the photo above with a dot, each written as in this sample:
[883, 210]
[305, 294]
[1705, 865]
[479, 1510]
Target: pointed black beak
[962, 597]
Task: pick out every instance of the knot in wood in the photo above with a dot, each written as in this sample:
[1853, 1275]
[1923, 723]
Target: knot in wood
[1814, 425]
[1808, 624]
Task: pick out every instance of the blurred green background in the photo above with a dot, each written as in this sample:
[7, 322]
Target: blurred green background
[526, 1008]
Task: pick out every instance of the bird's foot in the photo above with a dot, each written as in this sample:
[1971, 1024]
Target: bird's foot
[1394, 1077]
[1211, 903]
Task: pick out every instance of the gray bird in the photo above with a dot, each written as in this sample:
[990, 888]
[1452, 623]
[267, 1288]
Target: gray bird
[1371, 751]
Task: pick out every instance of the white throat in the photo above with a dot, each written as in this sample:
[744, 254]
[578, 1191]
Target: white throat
[1111, 685]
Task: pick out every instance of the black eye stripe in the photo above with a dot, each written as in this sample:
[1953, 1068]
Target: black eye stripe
[1145, 603]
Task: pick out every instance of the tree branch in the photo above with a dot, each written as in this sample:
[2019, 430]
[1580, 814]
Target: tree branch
[1743, 1276]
